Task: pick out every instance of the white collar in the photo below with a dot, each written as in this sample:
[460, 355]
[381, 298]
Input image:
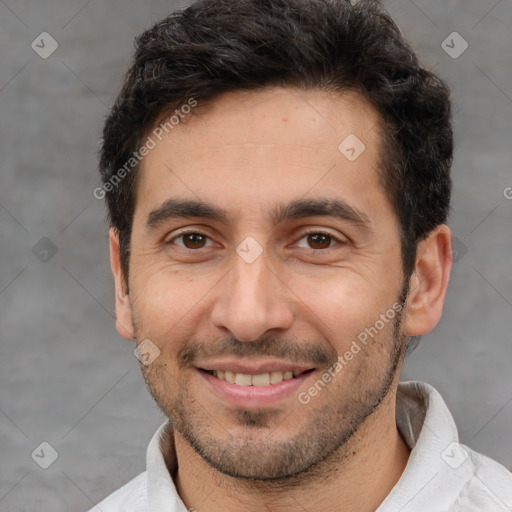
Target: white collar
[430, 480]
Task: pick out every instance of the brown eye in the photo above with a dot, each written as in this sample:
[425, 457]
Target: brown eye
[191, 240]
[319, 240]
[194, 241]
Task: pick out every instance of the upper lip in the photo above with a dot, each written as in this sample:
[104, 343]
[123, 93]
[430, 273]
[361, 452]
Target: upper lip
[252, 368]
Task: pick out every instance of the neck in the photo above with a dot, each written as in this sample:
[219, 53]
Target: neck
[359, 475]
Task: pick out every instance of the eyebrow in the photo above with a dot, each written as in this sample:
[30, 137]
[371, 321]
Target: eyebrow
[177, 208]
[297, 209]
[336, 208]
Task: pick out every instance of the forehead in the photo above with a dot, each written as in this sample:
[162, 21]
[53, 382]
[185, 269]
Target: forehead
[250, 150]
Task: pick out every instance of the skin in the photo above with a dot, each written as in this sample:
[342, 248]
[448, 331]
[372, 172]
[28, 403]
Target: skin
[303, 299]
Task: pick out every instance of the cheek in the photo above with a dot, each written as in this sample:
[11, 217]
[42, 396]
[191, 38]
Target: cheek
[347, 314]
[166, 303]
[343, 304]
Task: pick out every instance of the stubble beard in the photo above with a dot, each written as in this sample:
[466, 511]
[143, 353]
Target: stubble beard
[254, 455]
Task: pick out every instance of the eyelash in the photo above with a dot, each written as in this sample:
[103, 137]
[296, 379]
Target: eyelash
[312, 232]
[316, 232]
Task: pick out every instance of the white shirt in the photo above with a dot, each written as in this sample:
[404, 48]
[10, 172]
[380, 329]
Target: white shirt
[441, 474]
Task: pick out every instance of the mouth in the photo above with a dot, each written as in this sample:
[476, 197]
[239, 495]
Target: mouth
[261, 379]
[255, 390]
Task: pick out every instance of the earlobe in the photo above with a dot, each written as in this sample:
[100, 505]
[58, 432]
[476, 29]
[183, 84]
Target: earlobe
[429, 282]
[124, 324]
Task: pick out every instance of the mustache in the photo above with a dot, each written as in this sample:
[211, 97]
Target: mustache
[288, 350]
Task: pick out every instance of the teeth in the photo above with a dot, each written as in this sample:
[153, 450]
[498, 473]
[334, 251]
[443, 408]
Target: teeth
[228, 376]
[263, 379]
[243, 380]
[276, 377]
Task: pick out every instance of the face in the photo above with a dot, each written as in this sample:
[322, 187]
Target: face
[262, 252]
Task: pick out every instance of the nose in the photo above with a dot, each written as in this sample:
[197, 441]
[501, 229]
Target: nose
[252, 300]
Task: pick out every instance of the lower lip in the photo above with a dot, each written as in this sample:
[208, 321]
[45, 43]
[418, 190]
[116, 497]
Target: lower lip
[254, 396]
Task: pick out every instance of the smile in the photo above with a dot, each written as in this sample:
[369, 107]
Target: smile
[262, 379]
[255, 390]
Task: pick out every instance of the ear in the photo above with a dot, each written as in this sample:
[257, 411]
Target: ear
[124, 324]
[429, 282]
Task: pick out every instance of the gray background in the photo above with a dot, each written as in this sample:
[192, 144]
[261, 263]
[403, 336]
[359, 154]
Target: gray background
[69, 379]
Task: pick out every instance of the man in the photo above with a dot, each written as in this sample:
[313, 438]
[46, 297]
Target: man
[277, 174]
